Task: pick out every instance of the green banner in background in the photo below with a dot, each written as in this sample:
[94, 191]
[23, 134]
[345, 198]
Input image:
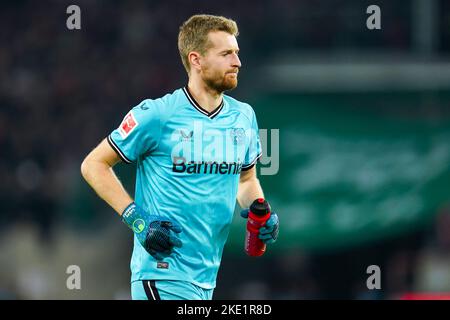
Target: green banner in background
[355, 167]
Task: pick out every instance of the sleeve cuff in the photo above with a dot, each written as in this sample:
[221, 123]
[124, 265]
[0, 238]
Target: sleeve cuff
[252, 164]
[117, 150]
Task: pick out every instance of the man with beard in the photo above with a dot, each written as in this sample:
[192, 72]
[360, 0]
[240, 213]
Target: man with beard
[195, 152]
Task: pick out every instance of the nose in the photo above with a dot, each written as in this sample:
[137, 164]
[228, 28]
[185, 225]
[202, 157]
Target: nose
[236, 61]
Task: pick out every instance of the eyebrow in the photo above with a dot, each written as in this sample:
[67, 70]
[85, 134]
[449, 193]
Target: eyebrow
[229, 50]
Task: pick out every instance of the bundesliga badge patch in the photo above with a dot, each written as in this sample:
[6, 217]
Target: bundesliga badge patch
[128, 124]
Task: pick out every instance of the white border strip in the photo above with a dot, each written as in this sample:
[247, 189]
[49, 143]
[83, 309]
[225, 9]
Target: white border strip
[116, 148]
[253, 162]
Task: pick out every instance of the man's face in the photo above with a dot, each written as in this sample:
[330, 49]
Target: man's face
[220, 64]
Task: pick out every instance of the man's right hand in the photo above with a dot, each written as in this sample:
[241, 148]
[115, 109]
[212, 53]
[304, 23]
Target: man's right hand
[156, 234]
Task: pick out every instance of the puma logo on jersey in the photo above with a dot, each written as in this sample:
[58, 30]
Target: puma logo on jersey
[186, 136]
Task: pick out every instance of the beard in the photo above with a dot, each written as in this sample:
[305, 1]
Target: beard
[221, 82]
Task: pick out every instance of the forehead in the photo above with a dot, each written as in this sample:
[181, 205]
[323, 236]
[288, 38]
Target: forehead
[221, 40]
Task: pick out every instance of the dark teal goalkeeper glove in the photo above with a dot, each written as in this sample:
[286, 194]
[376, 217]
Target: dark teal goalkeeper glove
[269, 233]
[156, 234]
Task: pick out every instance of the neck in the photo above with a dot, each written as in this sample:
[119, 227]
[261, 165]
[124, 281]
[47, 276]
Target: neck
[206, 97]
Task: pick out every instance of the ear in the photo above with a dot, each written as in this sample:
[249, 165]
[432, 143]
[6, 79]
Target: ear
[194, 59]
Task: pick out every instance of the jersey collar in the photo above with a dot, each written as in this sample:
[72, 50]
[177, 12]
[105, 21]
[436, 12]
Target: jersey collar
[194, 103]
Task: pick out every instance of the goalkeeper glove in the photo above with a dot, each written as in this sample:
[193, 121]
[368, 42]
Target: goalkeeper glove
[269, 232]
[155, 234]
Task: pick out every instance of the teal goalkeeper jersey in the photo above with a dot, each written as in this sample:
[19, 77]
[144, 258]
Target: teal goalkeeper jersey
[188, 163]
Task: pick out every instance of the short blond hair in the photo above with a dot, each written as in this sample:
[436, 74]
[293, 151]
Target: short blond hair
[193, 35]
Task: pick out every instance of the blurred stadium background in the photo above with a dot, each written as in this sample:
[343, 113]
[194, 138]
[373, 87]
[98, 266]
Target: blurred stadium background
[364, 119]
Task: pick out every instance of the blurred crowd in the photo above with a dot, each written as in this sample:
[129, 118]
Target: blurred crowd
[61, 91]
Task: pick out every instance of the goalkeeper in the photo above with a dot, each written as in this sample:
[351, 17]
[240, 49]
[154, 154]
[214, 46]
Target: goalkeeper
[195, 151]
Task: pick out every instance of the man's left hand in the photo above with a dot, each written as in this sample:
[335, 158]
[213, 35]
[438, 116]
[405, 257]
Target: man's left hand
[269, 232]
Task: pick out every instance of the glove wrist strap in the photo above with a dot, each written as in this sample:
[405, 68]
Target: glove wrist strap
[130, 214]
